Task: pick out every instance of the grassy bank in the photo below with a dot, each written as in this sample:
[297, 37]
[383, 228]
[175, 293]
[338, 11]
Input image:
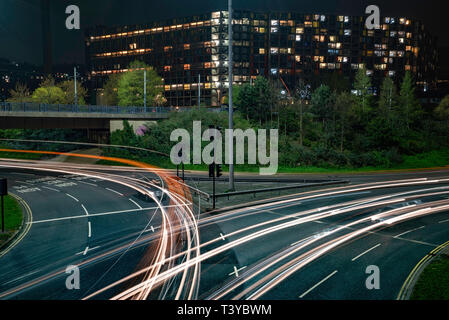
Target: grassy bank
[433, 284]
[439, 158]
[13, 218]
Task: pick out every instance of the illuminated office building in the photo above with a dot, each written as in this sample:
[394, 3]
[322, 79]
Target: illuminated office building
[283, 46]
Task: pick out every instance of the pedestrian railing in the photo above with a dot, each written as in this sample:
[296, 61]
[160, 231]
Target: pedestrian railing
[41, 107]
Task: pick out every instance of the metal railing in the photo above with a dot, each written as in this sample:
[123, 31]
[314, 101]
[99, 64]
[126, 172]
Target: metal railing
[41, 107]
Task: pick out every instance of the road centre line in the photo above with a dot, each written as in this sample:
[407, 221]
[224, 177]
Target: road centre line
[105, 214]
[89, 235]
[318, 284]
[365, 252]
[407, 232]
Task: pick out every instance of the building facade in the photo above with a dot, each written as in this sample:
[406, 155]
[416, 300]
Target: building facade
[191, 54]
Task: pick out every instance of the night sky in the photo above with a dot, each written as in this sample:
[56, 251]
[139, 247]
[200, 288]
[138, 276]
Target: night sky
[20, 20]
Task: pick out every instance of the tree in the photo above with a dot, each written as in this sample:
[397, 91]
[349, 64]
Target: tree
[131, 85]
[49, 95]
[68, 87]
[20, 93]
[388, 101]
[110, 93]
[302, 97]
[409, 108]
[442, 111]
[343, 106]
[321, 103]
[362, 85]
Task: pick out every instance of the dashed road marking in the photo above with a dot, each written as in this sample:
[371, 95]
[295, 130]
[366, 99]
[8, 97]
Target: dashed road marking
[87, 250]
[222, 237]
[112, 190]
[365, 252]
[51, 189]
[90, 229]
[318, 284]
[407, 232]
[236, 271]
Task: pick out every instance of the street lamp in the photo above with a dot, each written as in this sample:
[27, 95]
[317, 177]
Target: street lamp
[231, 108]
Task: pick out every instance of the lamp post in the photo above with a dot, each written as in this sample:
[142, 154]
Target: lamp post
[231, 108]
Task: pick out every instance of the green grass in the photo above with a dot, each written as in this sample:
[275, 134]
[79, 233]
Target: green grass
[13, 218]
[22, 156]
[433, 284]
[431, 159]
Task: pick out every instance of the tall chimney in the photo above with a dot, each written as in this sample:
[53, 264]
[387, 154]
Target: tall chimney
[46, 36]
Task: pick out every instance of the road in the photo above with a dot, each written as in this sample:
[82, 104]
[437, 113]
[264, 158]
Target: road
[134, 235]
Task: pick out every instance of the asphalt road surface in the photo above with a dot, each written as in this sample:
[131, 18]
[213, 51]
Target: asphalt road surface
[139, 234]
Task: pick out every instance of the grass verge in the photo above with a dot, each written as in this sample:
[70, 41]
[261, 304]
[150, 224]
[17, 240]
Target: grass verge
[438, 158]
[433, 283]
[13, 219]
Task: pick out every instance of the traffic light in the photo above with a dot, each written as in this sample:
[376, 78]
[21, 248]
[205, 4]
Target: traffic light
[219, 171]
[3, 187]
[211, 170]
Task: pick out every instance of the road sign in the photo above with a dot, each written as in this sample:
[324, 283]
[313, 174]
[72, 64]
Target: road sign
[219, 171]
[3, 192]
[3, 187]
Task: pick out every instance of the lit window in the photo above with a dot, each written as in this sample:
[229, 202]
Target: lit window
[274, 30]
[133, 46]
[261, 51]
[347, 32]
[187, 67]
[274, 50]
[298, 37]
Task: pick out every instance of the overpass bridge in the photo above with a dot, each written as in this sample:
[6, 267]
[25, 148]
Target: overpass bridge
[46, 116]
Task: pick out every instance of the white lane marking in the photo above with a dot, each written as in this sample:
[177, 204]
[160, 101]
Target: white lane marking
[419, 242]
[222, 237]
[319, 222]
[318, 284]
[101, 214]
[85, 210]
[138, 206]
[407, 232]
[444, 221]
[365, 252]
[152, 229]
[72, 197]
[51, 189]
[236, 271]
[90, 184]
[120, 194]
[88, 250]
[90, 229]
[301, 241]
[85, 251]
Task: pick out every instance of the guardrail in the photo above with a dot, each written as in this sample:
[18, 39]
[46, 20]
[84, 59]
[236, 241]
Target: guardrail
[41, 107]
[297, 186]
